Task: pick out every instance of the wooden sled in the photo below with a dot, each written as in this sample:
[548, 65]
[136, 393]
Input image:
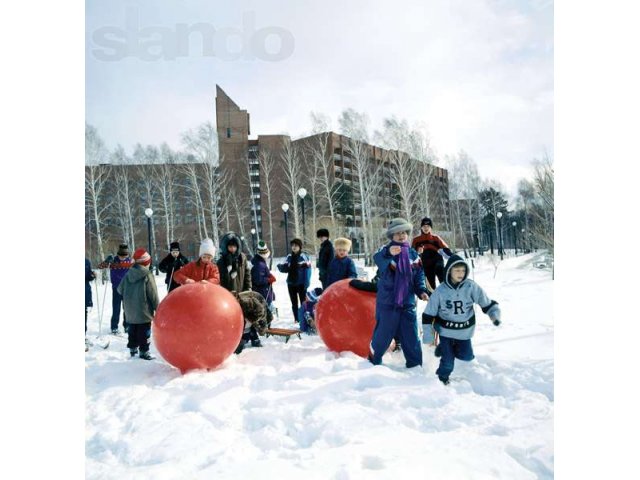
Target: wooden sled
[283, 332]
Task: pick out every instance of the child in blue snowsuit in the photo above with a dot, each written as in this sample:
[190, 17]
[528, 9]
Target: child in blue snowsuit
[401, 278]
[306, 315]
[450, 309]
[341, 266]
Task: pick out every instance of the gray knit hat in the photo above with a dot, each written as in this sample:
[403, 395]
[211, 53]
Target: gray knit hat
[398, 225]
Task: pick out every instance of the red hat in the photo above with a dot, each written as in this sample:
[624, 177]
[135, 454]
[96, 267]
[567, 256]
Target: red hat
[142, 257]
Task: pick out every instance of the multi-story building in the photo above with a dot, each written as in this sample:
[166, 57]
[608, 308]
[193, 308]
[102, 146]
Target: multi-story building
[254, 179]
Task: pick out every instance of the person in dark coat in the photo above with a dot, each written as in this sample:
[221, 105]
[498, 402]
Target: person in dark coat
[341, 266]
[430, 246]
[235, 270]
[88, 300]
[140, 297]
[262, 279]
[325, 255]
[171, 264]
[400, 279]
[297, 266]
[118, 267]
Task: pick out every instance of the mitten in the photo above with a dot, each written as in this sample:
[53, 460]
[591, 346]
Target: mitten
[271, 278]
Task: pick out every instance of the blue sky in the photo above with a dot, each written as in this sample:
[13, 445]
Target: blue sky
[478, 75]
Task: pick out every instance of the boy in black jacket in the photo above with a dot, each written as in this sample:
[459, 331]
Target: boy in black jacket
[325, 255]
[171, 264]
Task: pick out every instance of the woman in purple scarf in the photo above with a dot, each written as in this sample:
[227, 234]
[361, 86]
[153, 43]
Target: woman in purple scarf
[401, 278]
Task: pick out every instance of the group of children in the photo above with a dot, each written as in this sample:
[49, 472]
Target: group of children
[400, 279]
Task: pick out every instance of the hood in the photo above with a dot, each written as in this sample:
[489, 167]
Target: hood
[454, 260]
[136, 274]
[224, 241]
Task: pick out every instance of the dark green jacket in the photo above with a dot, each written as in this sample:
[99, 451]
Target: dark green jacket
[139, 295]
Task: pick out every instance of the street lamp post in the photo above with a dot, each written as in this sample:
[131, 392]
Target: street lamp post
[515, 237]
[148, 212]
[524, 242]
[302, 193]
[501, 245]
[285, 208]
[253, 239]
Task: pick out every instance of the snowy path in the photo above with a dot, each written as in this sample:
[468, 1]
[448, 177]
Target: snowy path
[296, 410]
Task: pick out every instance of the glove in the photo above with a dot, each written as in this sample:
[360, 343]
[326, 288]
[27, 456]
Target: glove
[271, 278]
[496, 321]
[234, 275]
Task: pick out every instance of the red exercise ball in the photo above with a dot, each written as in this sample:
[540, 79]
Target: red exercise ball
[198, 326]
[346, 317]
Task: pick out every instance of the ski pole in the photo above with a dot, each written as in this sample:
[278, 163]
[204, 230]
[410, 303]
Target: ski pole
[104, 299]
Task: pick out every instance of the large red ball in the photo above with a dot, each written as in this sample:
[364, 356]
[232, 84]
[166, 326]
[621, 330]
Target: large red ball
[198, 326]
[345, 318]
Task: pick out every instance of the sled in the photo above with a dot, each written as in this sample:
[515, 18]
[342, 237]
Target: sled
[283, 332]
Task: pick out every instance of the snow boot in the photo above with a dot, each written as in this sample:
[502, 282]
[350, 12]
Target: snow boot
[256, 342]
[146, 356]
[116, 332]
[133, 351]
[444, 380]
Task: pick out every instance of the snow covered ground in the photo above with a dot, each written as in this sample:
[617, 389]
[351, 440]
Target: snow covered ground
[296, 410]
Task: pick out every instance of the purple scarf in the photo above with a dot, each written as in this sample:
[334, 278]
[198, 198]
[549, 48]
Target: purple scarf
[403, 273]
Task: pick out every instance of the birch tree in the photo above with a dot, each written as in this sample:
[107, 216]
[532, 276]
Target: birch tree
[290, 157]
[268, 180]
[96, 180]
[125, 195]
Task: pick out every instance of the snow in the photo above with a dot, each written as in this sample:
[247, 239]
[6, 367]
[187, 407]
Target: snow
[296, 410]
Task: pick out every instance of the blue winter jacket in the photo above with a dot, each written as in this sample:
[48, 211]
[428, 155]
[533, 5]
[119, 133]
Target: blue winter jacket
[339, 269]
[260, 278]
[304, 270]
[386, 278]
[451, 306]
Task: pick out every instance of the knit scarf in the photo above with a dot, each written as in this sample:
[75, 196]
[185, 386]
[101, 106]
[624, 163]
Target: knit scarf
[403, 273]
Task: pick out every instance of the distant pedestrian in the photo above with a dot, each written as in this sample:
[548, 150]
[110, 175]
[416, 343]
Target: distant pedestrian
[325, 255]
[88, 300]
[341, 266]
[234, 267]
[297, 266]
[171, 264]
[431, 247]
[118, 267]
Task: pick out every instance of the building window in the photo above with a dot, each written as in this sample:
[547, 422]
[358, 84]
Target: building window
[228, 132]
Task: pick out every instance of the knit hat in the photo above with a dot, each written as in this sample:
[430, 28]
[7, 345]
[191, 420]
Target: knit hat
[207, 247]
[296, 241]
[342, 243]
[142, 257]
[262, 248]
[174, 246]
[398, 225]
[323, 232]
[123, 250]
[313, 295]
[426, 221]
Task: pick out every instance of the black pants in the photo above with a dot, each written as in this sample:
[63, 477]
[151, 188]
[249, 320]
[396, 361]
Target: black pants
[431, 271]
[85, 320]
[139, 334]
[296, 292]
[116, 304]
